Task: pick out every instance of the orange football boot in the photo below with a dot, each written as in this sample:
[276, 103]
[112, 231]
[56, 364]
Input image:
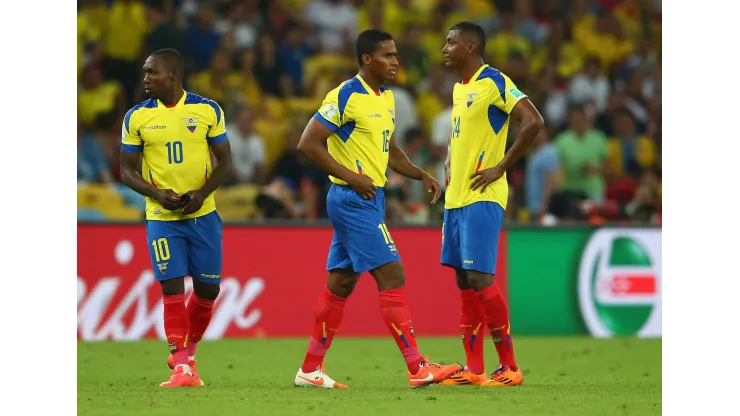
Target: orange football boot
[430, 373]
[197, 381]
[179, 378]
[504, 376]
[464, 377]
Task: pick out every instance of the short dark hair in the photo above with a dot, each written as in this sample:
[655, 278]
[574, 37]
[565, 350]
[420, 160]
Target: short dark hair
[474, 33]
[172, 58]
[367, 42]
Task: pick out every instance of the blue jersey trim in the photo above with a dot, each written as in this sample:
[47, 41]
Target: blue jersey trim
[346, 130]
[132, 148]
[497, 118]
[497, 78]
[197, 99]
[150, 103]
[218, 139]
[328, 124]
[350, 87]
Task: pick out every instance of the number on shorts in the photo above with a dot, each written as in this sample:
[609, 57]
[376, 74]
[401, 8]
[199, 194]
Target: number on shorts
[386, 234]
[161, 249]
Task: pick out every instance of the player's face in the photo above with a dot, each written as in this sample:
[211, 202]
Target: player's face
[456, 49]
[383, 62]
[157, 77]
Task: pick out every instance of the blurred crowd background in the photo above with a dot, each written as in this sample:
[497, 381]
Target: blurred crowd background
[592, 68]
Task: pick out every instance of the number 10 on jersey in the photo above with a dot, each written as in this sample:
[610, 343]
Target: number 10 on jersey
[174, 152]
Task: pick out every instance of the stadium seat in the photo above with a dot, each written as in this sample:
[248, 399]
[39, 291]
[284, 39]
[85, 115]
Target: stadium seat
[89, 214]
[97, 196]
[123, 213]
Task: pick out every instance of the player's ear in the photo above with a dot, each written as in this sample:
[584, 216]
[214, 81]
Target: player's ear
[366, 59]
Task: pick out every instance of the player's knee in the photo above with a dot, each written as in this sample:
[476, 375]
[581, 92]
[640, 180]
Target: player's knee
[341, 283]
[389, 276]
[461, 278]
[173, 287]
[479, 281]
[206, 291]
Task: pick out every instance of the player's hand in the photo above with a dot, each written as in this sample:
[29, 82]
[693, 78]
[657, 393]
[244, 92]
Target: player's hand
[485, 177]
[431, 184]
[168, 199]
[192, 201]
[363, 185]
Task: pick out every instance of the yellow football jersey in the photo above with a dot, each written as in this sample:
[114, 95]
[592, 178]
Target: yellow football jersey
[481, 109]
[362, 122]
[175, 146]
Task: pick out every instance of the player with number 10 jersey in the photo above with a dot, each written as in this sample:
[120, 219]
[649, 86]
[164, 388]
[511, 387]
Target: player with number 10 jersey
[172, 135]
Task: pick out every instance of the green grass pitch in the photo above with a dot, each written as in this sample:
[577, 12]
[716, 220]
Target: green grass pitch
[562, 376]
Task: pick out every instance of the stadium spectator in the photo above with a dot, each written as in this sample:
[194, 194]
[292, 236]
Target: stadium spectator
[277, 59]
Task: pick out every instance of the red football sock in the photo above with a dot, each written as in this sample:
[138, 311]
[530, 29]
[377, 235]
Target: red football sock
[398, 320]
[497, 316]
[472, 324]
[329, 313]
[199, 314]
[176, 327]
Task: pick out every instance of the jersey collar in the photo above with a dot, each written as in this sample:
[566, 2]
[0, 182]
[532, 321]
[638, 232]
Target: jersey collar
[475, 76]
[179, 103]
[367, 87]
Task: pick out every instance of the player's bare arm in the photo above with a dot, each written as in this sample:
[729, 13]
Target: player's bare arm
[312, 146]
[131, 177]
[531, 123]
[400, 163]
[223, 171]
[447, 160]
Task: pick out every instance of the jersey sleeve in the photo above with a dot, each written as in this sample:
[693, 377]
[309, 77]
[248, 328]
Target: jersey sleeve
[509, 97]
[130, 137]
[217, 131]
[329, 114]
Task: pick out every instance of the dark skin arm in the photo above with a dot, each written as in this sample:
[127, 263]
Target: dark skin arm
[131, 177]
[531, 123]
[312, 146]
[223, 171]
[400, 163]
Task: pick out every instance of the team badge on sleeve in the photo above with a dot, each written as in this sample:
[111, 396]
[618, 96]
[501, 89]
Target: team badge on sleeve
[329, 111]
[191, 123]
[515, 93]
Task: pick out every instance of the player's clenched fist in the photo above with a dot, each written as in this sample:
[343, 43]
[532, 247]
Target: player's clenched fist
[192, 201]
[168, 199]
[363, 185]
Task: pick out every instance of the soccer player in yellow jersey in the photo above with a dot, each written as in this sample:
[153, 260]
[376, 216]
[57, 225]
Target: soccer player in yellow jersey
[484, 102]
[172, 134]
[358, 120]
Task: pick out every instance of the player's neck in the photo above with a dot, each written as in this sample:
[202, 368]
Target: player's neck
[371, 82]
[174, 97]
[469, 69]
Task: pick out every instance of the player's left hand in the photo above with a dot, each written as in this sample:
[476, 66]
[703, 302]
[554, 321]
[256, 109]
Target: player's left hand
[194, 202]
[431, 184]
[485, 177]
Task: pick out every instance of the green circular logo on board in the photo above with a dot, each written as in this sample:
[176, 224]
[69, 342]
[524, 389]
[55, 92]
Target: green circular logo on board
[619, 283]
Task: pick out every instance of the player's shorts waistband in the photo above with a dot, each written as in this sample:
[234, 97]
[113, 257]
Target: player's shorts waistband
[347, 186]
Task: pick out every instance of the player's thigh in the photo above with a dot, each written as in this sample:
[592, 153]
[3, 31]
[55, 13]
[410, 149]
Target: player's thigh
[360, 227]
[479, 234]
[451, 246]
[167, 249]
[205, 248]
[338, 257]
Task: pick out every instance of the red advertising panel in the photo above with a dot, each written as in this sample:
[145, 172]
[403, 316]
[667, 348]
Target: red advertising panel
[271, 279]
